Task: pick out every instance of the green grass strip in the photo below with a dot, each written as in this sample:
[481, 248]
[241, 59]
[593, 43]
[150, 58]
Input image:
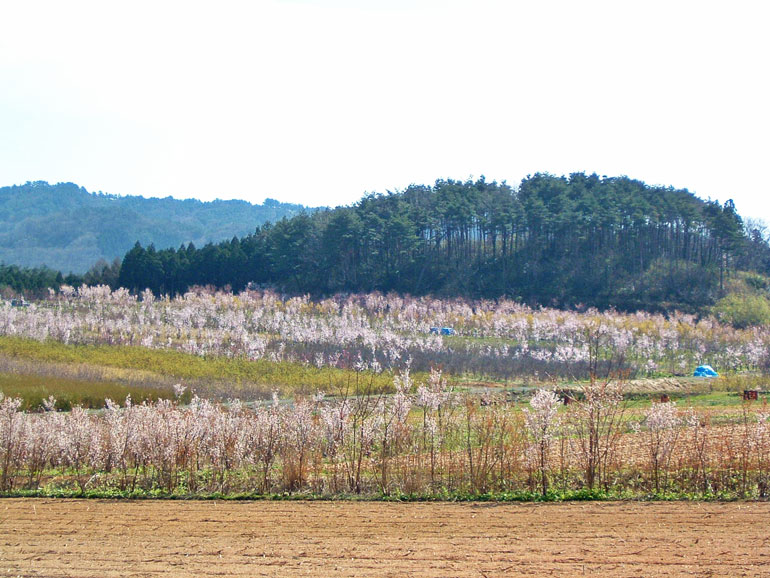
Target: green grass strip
[583, 495]
[287, 377]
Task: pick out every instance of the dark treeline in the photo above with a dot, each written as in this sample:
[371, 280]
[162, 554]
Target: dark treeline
[30, 281]
[35, 281]
[561, 241]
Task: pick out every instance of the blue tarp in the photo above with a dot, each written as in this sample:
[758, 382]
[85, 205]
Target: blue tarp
[705, 371]
[443, 331]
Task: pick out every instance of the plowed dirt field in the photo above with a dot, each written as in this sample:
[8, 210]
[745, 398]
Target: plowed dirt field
[164, 538]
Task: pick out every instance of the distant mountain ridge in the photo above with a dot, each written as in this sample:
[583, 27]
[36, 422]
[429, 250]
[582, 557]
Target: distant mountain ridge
[66, 228]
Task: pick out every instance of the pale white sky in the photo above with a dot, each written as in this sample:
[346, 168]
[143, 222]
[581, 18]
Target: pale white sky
[317, 102]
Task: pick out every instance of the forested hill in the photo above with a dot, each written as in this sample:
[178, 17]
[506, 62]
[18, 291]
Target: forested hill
[68, 229]
[563, 241]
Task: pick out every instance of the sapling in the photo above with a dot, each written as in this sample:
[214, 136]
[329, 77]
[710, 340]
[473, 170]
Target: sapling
[661, 423]
[542, 422]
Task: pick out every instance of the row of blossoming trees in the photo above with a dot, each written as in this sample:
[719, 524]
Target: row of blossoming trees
[501, 339]
[423, 440]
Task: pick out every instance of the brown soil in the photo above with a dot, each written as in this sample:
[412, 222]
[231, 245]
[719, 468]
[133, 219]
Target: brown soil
[163, 538]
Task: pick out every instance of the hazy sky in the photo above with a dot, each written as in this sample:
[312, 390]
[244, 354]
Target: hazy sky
[319, 101]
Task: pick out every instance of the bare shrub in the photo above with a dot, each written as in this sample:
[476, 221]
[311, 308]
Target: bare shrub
[595, 422]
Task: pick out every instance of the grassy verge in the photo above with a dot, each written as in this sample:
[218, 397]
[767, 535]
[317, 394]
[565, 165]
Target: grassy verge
[33, 389]
[213, 376]
[583, 495]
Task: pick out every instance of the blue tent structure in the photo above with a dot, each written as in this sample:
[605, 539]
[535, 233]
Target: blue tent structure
[705, 371]
[443, 331]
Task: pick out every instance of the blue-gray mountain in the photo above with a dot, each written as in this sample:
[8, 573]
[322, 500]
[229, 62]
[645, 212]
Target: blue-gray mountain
[66, 228]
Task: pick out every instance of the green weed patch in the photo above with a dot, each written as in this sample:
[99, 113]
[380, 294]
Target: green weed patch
[217, 376]
[33, 389]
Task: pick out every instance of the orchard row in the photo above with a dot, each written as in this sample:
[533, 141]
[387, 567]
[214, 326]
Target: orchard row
[423, 440]
[374, 332]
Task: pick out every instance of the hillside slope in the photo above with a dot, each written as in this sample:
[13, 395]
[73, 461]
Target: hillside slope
[66, 228]
[581, 240]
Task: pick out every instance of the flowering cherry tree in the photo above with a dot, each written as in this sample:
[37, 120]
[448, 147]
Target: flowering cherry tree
[542, 420]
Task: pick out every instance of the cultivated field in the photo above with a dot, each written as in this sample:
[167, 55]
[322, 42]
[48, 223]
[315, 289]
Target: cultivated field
[371, 397]
[106, 394]
[151, 538]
